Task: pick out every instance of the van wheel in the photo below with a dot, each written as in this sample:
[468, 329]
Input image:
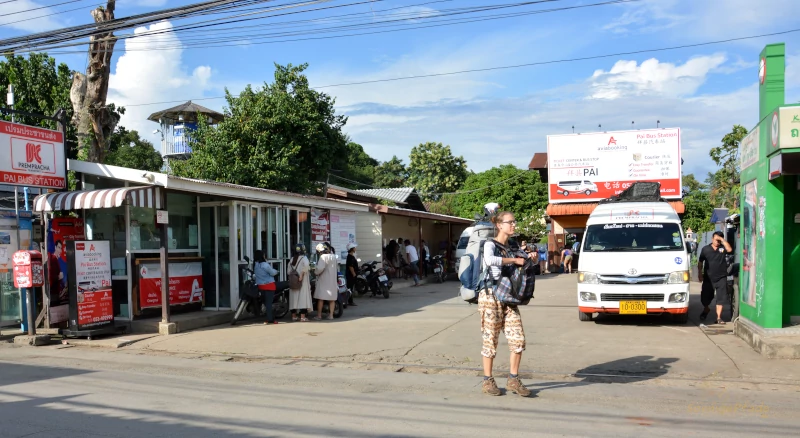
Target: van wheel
[588, 193]
[566, 193]
[680, 318]
[585, 316]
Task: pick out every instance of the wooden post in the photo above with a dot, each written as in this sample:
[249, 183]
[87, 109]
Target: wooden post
[420, 262]
[164, 255]
[448, 248]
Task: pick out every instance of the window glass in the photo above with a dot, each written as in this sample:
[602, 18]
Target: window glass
[633, 237]
[92, 182]
[182, 220]
[144, 232]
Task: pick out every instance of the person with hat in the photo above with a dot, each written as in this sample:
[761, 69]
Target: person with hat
[712, 270]
[300, 299]
[327, 288]
[351, 271]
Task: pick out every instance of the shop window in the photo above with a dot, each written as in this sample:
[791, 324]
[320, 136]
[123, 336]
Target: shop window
[109, 224]
[92, 182]
[182, 230]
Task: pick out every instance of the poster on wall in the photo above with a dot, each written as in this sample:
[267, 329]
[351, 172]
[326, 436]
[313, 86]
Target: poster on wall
[185, 283]
[61, 231]
[594, 166]
[32, 156]
[750, 221]
[320, 227]
[91, 300]
[343, 231]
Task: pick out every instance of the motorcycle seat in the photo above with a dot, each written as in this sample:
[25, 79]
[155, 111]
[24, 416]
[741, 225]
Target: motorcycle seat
[281, 285]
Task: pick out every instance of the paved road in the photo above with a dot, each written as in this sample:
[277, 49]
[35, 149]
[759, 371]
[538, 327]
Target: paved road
[73, 392]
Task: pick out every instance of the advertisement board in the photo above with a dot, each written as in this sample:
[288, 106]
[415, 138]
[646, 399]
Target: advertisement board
[61, 231]
[91, 300]
[343, 231]
[594, 166]
[320, 227]
[185, 283]
[33, 156]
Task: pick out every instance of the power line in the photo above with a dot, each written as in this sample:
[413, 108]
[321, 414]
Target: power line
[40, 7]
[42, 16]
[460, 192]
[506, 67]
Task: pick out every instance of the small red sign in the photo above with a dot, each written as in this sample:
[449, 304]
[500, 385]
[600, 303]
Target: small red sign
[94, 307]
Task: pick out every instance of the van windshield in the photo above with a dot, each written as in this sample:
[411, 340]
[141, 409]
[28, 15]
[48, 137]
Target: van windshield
[633, 237]
[462, 242]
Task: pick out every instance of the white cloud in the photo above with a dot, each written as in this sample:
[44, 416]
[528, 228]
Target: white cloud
[652, 77]
[142, 3]
[144, 76]
[646, 17]
[30, 21]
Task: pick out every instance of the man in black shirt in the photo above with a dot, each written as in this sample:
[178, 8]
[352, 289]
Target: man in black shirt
[351, 271]
[712, 270]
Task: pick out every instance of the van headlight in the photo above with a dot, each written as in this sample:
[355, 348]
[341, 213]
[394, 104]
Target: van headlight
[678, 298]
[588, 296]
[588, 278]
[679, 277]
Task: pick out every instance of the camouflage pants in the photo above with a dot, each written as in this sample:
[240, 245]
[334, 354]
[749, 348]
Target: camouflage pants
[496, 316]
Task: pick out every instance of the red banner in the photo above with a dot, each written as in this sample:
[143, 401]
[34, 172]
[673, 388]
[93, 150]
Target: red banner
[605, 189]
[95, 307]
[185, 284]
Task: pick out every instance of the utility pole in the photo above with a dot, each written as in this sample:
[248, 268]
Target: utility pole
[93, 120]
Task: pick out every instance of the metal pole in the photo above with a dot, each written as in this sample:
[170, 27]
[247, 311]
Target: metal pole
[29, 290]
[164, 263]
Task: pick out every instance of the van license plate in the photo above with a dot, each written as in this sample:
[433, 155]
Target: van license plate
[633, 307]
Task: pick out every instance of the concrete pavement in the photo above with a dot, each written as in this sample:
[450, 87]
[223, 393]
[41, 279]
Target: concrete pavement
[430, 330]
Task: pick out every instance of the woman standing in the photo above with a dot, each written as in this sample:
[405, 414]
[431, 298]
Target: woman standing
[327, 288]
[496, 316]
[300, 299]
[265, 281]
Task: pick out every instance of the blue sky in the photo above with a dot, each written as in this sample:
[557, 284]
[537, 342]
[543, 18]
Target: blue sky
[493, 117]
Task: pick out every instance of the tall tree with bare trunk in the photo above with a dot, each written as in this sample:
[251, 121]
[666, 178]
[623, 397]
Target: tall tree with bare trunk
[93, 119]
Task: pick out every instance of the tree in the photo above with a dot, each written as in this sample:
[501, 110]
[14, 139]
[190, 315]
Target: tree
[519, 191]
[691, 184]
[697, 213]
[358, 166]
[391, 174]
[127, 149]
[724, 183]
[434, 170]
[94, 120]
[284, 136]
[40, 87]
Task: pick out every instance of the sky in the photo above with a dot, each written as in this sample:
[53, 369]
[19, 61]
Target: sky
[491, 117]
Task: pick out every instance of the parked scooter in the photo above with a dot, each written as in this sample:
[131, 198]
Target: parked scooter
[250, 298]
[437, 265]
[374, 279]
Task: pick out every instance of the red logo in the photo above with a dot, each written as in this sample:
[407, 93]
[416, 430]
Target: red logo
[611, 141]
[80, 246]
[91, 247]
[32, 152]
[633, 213]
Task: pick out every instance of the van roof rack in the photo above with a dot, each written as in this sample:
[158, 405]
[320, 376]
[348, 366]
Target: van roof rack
[638, 192]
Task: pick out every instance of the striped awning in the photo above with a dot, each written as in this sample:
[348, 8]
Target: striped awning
[147, 197]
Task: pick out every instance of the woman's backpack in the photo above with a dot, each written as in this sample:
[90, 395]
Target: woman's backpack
[294, 277]
[517, 283]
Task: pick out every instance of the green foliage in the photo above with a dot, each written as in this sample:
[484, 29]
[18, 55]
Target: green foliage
[433, 169]
[519, 191]
[691, 184]
[697, 215]
[40, 87]
[725, 183]
[391, 174]
[284, 136]
[356, 165]
[127, 149]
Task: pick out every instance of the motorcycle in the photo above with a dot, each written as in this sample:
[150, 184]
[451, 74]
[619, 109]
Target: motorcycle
[372, 278]
[438, 268]
[341, 301]
[250, 299]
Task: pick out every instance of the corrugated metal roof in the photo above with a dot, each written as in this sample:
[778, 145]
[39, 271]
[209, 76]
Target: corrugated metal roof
[189, 110]
[400, 195]
[586, 208]
[424, 215]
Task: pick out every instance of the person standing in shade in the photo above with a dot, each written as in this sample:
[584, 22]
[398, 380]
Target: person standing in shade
[712, 270]
[300, 299]
[351, 271]
[265, 282]
[413, 260]
[425, 255]
[327, 288]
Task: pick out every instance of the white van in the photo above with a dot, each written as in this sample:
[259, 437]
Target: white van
[577, 186]
[633, 261]
[461, 246]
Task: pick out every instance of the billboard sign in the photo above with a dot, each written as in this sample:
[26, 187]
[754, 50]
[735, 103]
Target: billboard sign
[185, 283]
[594, 166]
[91, 299]
[35, 156]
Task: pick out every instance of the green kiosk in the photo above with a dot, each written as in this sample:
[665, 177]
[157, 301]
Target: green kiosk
[769, 249]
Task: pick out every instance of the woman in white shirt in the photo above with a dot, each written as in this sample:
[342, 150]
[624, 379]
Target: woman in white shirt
[496, 316]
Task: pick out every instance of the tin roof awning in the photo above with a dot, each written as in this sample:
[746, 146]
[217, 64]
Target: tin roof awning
[147, 197]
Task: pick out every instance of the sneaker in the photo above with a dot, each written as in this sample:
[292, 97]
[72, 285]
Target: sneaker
[515, 385]
[490, 387]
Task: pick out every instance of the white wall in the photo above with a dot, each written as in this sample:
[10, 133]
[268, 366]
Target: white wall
[368, 236]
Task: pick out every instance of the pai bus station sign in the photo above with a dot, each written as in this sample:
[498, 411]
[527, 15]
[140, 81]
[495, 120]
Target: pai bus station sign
[32, 156]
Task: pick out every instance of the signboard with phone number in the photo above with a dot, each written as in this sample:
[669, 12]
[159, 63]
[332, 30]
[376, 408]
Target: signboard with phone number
[93, 306]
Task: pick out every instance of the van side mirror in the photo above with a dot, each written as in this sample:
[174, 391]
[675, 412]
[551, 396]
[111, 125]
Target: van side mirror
[688, 247]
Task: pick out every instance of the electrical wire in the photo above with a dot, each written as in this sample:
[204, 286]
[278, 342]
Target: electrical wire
[456, 193]
[506, 67]
[41, 7]
[43, 16]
